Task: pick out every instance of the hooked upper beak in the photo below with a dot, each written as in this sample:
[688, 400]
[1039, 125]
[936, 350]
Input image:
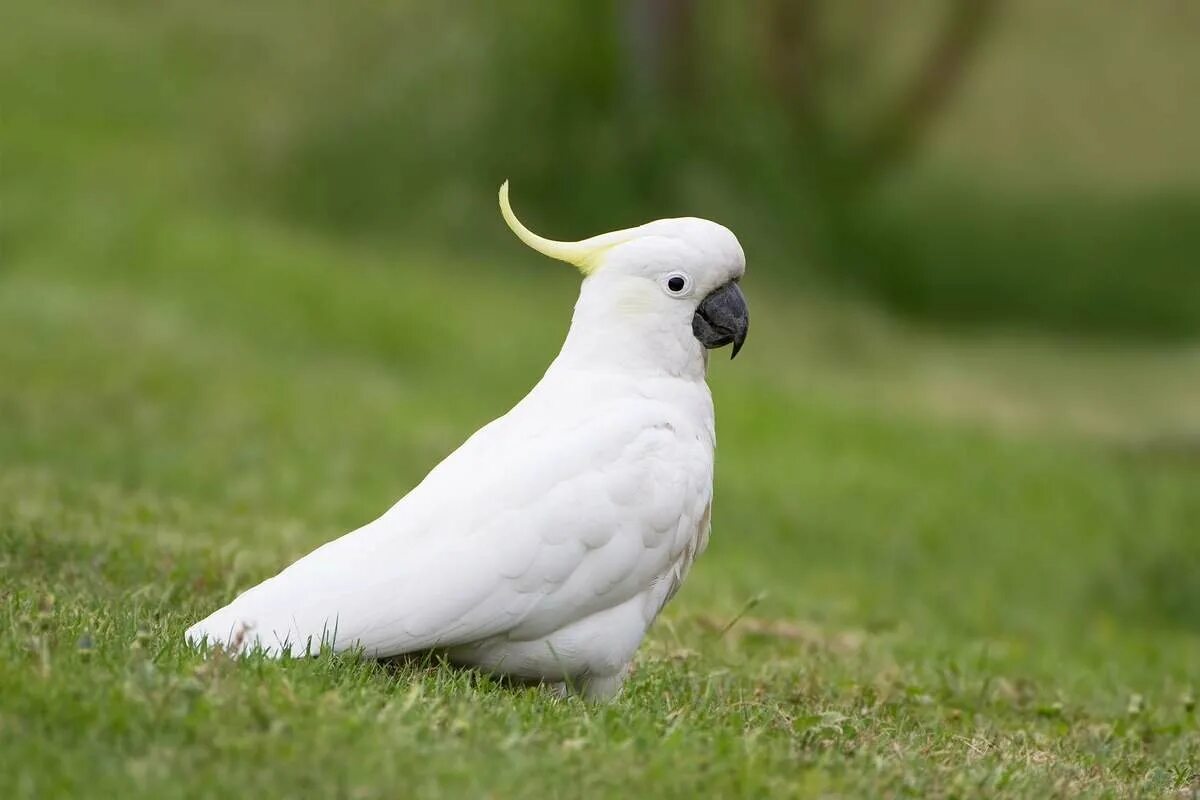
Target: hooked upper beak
[721, 318]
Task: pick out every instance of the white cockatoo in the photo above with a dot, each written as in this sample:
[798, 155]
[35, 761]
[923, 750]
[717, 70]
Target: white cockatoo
[544, 547]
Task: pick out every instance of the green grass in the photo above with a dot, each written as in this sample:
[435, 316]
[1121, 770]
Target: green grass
[971, 561]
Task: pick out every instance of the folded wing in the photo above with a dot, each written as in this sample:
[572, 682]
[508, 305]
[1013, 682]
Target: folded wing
[502, 538]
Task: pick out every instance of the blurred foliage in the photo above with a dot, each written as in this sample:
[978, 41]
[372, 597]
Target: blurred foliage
[970, 161]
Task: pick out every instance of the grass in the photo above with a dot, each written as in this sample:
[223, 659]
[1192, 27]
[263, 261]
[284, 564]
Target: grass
[962, 565]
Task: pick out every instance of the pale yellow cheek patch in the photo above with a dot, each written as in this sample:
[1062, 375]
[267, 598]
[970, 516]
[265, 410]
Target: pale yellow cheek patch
[633, 300]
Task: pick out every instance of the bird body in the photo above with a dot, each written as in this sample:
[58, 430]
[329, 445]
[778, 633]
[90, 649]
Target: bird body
[545, 546]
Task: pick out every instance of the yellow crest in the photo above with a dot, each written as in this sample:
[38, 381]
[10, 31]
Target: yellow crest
[586, 254]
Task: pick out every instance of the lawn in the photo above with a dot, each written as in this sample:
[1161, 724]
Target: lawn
[941, 565]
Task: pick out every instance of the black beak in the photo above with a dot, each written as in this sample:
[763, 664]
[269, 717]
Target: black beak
[722, 318]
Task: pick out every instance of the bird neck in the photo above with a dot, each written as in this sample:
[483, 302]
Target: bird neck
[615, 332]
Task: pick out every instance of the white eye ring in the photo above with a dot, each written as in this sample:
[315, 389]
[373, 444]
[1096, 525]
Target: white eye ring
[677, 284]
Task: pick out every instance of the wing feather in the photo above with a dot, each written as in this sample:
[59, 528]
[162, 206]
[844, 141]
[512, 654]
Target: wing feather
[584, 513]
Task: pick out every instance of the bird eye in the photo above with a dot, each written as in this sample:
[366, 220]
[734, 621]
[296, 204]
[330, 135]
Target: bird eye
[678, 283]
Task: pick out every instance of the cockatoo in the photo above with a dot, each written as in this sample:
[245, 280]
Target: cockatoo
[544, 547]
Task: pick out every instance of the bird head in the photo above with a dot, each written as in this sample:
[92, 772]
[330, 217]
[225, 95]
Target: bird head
[672, 283]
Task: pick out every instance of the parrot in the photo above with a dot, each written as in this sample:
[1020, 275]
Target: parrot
[544, 547]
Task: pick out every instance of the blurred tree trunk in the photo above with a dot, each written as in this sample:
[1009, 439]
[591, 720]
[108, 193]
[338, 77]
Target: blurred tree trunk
[816, 55]
[659, 42]
[846, 162]
[659, 46]
[794, 55]
[899, 128]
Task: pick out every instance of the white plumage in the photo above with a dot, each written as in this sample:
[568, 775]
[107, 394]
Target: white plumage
[544, 547]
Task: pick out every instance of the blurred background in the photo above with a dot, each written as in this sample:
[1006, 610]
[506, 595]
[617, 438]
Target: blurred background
[252, 271]
[994, 162]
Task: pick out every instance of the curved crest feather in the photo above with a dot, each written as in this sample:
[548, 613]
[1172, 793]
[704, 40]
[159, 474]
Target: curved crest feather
[585, 254]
